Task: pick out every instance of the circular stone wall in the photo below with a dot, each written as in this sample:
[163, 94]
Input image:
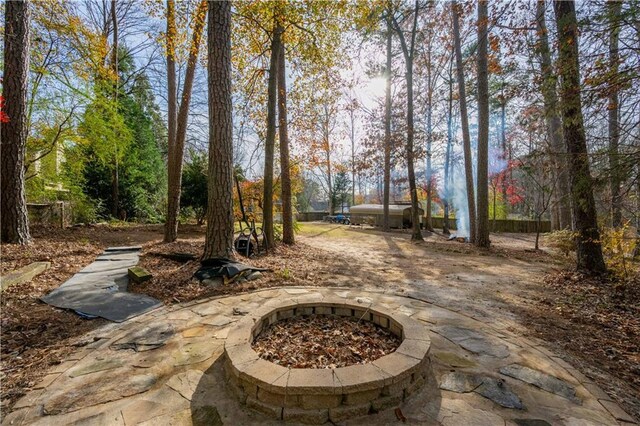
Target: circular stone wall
[318, 395]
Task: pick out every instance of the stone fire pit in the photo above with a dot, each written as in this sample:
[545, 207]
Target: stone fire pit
[318, 395]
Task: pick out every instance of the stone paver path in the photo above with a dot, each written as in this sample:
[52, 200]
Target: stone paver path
[165, 368]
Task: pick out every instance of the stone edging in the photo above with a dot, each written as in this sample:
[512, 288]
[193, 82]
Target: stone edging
[318, 395]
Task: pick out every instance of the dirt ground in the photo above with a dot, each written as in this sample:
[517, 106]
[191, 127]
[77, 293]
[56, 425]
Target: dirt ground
[594, 325]
[509, 283]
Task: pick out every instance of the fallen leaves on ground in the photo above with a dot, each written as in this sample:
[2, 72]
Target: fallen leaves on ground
[319, 341]
[594, 319]
[173, 281]
[36, 336]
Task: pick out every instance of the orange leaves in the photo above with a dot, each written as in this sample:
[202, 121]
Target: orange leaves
[184, 20]
[494, 43]
[494, 65]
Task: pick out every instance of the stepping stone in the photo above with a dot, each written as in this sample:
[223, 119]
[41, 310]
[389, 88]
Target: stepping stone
[181, 314]
[194, 332]
[269, 294]
[473, 341]
[146, 338]
[193, 353]
[217, 320]
[153, 405]
[107, 364]
[138, 274]
[117, 255]
[541, 380]
[497, 391]
[24, 274]
[222, 334]
[185, 383]
[494, 389]
[123, 248]
[456, 412]
[207, 309]
[460, 382]
[112, 387]
[454, 360]
[150, 359]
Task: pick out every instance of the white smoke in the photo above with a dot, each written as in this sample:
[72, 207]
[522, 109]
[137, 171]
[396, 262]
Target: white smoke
[458, 187]
[459, 197]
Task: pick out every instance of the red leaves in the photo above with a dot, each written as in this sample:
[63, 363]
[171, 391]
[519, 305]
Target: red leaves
[4, 118]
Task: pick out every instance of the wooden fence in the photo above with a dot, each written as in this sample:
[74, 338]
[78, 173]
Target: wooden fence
[499, 225]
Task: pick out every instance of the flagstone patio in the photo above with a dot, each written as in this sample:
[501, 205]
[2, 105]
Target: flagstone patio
[167, 367]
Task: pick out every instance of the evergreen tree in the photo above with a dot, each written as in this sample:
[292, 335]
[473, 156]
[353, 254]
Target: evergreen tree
[126, 135]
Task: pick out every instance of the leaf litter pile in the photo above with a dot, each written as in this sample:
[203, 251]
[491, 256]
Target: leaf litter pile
[597, 321]
[319, 341]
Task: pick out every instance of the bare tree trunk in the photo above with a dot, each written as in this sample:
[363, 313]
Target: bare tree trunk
[503, 140]
[387, 130]
[175, 172]
[173, 199]
[447, 157]
[589, 249]
[288, 236]
[409, 53]
[270, 141]
[482, 236]
[613, 9]
[13, 134]
[353, 153]
[416, 235]
[464, 122]
[427, 213]
[562, 197]
[115, 179]
[219, 238]
[327, 152]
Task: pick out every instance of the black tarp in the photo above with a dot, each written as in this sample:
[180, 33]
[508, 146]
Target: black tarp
[222, 267]
[100, 289]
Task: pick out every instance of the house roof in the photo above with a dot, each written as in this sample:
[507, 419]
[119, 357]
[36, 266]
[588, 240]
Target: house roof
[378, 209]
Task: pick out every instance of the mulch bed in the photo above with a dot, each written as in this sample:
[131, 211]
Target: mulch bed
[319, 341]
[36, 336]
[173, 281]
